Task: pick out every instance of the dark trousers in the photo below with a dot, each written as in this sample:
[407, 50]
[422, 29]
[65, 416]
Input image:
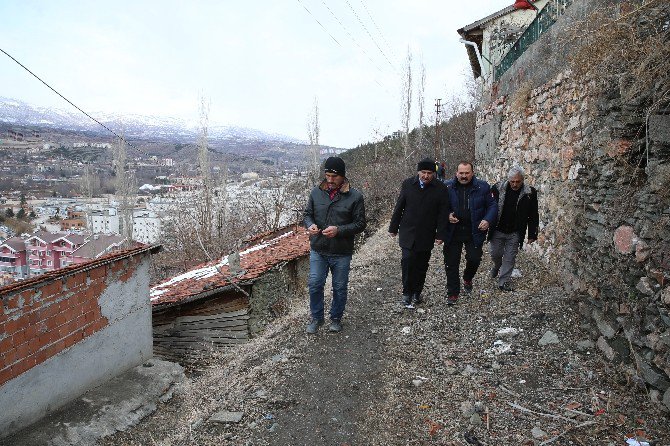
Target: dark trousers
[452, 261]
[414, 268]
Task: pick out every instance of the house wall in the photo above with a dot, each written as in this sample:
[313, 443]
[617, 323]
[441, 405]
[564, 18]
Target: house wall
[190, 332]
[501, 33]
[63, 334]
[605, 223]
[270, 293]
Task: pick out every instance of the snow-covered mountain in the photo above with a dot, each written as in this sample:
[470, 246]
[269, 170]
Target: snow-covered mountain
[132, 126]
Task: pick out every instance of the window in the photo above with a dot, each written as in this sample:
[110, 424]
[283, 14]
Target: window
[49, 263]
[49, 252]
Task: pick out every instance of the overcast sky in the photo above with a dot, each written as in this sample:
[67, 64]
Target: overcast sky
[260, 63]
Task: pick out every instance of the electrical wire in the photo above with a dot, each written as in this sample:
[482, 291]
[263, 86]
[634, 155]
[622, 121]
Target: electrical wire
[74, 105]
[379, 31]
[317, 21]
[372, 38]
[352, 37]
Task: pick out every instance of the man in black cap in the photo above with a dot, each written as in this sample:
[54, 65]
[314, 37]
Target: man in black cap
[335, 213]
[421, 215]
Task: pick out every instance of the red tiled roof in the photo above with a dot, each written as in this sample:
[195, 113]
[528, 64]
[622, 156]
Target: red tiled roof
[262, 256]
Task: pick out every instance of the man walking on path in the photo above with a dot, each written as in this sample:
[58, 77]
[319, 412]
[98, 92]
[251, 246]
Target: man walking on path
[473, 209]
[335, 213]
[420, 215]
[517, 212]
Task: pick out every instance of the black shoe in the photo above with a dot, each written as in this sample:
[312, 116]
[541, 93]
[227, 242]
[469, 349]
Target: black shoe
[406, 299]
[451, 300]
[335, 326]
[467, 285]
[505, 287]
[313, 326]
[417, 299]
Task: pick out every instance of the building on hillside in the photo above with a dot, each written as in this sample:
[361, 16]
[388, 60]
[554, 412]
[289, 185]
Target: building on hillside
[494, 35]
[226, 301]
[97, 246]
[13, 258]
[51, 251]
[104, 221]
[75, 221]
[146, 226]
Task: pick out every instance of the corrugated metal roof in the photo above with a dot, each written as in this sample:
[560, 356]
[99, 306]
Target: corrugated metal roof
[463, 31]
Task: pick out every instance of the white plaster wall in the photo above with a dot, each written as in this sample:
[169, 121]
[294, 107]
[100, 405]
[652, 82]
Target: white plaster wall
[124, 343]
[493, 47]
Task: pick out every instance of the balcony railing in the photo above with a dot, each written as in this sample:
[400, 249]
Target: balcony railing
[542, 22]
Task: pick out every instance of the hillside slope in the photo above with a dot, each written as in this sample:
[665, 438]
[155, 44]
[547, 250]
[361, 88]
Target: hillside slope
[436, 375]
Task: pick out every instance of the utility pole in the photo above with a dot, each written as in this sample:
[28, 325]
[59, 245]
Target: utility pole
[438, 109]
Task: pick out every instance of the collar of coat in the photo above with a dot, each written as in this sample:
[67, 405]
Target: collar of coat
[502, 191]
[416, 181]
[343, 189]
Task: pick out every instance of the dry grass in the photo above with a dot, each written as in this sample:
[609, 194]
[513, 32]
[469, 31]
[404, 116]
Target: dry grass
[629, 44]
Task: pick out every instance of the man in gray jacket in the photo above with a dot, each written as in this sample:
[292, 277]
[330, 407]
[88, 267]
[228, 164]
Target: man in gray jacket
[335, 213]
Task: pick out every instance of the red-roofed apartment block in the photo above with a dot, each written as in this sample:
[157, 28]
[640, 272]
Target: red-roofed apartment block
[226, 301]
[68, 330]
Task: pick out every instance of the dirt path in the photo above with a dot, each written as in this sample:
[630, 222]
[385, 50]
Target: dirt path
[472, 374]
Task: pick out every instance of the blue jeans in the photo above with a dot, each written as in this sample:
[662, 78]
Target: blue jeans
[319, 265]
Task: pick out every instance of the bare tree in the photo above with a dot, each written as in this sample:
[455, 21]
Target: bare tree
[313, 131]
[421, 88]
[406, 101]
[125, 190]
[204, 206]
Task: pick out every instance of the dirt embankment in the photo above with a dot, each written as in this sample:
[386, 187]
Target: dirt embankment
[497, 369]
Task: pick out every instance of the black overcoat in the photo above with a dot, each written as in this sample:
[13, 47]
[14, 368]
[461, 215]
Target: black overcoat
[420, 215]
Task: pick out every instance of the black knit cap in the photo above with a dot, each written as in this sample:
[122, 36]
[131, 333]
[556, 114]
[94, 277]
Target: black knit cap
[426, 164]
[334, 165]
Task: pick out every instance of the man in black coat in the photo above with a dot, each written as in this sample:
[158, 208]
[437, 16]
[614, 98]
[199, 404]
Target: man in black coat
[517, 212]
[421, 217]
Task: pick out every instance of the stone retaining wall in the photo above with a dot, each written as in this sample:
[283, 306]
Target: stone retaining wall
[602, 168]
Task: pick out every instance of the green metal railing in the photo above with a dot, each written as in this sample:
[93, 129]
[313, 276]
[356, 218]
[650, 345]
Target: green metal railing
[542, 22]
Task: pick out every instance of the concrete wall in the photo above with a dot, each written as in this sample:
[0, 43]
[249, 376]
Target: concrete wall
[603, 175]
[64, 333]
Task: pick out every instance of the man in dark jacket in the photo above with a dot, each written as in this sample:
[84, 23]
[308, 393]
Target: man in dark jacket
[420, 215]
[335, 213]
[473, 209]
[517, 212]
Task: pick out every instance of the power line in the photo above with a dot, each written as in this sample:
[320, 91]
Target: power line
[379, 31]
[317, 21]
[372, 38]
[336, 41]
[72, 104]
[352, 37]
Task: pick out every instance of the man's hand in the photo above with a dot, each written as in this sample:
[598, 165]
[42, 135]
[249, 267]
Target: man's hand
[392, 234]
[330, 231]
[483, 225]
[452, 218]
[313, 230]
[438, 241]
